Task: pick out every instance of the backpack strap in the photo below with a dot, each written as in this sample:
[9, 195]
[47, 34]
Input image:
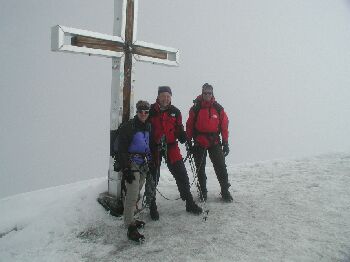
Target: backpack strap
[218, 109]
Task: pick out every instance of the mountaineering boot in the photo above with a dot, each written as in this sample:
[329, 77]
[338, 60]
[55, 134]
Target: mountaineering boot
[226, 196]
[193, 208]
[153, 210]
[134, 235]
[140, 224]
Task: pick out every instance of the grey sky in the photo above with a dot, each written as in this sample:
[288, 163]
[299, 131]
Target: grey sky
[279, 67]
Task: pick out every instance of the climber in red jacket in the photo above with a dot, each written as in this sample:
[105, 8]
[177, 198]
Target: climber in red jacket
[166, 130]
[206, 122]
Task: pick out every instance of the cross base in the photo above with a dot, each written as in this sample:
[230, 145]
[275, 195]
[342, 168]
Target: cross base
[111, 203]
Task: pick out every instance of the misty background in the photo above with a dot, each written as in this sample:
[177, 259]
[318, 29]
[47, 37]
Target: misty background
[280, 68]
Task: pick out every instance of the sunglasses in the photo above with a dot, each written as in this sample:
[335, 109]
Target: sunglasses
[207, 93]
[146, 112]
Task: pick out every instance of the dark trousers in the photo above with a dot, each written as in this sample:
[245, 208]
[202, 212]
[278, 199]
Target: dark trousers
[217, 158]
[179, 172]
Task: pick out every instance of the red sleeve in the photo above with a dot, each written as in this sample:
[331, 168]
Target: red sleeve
[224, 126]
[189, 124]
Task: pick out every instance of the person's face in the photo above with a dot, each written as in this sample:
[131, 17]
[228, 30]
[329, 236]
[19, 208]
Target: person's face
[207, 95]
[142, 115]
[164, 99]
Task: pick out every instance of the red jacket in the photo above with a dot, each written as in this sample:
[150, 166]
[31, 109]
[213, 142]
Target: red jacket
[168, 123]
[209, 123]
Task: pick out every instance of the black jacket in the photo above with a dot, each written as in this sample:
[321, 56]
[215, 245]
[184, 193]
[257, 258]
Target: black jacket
[125, 136]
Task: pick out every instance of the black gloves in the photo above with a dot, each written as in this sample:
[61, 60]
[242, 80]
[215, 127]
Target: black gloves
[189, 146]
[182, 137]
[225, 148]
[128, 175]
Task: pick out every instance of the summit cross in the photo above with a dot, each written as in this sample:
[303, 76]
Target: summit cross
[124, 49]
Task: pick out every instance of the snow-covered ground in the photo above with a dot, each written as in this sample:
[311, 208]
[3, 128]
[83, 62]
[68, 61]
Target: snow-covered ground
[283, 210]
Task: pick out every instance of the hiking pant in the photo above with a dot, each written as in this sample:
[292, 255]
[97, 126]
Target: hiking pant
[132, 193]
[179, 172]
[217, 158]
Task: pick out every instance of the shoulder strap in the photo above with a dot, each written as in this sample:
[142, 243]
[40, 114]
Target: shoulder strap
[196, 107]
[149, 127]
[218, 107]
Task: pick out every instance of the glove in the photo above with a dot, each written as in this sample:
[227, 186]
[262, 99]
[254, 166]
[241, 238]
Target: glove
[149, 157]
[189, 146]
[225, 148]
[182, 137]
[128, 175]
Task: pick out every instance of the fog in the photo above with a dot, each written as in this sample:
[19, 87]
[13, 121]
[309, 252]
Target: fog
[279, 68]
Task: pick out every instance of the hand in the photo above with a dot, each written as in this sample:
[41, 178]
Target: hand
[149, 158]
[225, 148]
[189, 146]
[182, 137]
[128, 175]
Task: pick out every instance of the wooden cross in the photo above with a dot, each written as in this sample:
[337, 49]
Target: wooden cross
[123, 48]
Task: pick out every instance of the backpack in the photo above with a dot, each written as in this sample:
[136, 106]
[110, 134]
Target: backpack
[196, 107]
[114, 135]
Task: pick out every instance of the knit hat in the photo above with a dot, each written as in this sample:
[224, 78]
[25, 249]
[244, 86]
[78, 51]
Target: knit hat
[163, 89]
[142, 105]
[206, 86]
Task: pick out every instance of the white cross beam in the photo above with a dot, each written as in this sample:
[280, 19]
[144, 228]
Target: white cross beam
[124, 49]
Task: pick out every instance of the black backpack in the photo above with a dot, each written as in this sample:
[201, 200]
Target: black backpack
[114, 143]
